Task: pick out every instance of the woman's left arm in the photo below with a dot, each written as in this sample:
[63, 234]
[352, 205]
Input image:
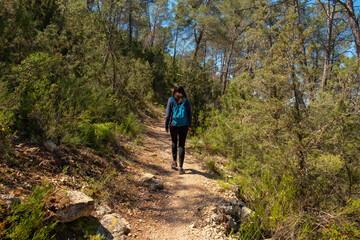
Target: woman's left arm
[168, 115]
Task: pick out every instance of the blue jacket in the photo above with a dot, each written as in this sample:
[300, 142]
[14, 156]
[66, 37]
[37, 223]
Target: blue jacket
[169, 111]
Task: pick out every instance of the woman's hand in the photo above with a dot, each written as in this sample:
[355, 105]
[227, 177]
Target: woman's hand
[167, 130]
[189, 129]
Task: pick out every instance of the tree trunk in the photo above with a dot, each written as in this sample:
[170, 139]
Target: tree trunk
[130, 26]
[226, 69]
[152, 32]
[114, 71]
[175, 44]
[353, 22]
[330, 11]
[297, 116]
[109, 35]
[90, 4]
[198, 38]
[62, 23]
[303, 48]
[314, 79]
[222, 67]
[204, 59]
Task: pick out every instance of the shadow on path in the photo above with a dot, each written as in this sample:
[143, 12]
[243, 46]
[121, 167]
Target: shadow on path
[193, 171]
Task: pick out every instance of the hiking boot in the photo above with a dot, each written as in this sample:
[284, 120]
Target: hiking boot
[174, 165]
[181, 171]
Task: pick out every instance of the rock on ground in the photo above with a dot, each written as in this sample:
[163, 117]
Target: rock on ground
[9, 199]
[151, 181]
[245, 212]
[147, 178]
[50, 146]
[113, 226]
[101, 210]
[80, 205]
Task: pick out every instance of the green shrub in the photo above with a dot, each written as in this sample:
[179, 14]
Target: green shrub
[289, 170]
[211, 165]
[27, 220]
[95, 135]
[5, 142]
[130, 127]
[99, 135]
[137, 80]
[83, 228]
[35, 92]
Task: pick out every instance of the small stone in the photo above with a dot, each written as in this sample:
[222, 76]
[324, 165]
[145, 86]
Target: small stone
[236, 202]
[215, 217]
[156, 185]
[213, 209]
[149, 180]
[26, 186]
[146, 178]
[224, 203]
[227, 209]
[9, 199]
[101, 210]
[50, 146]
[14, 137]
[245, 212]
[234, 225]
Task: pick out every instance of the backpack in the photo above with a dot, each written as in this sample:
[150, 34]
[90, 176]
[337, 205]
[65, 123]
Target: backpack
[179, 114]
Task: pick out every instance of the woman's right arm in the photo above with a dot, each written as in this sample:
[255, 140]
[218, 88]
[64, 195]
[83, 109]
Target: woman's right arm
[189, 115]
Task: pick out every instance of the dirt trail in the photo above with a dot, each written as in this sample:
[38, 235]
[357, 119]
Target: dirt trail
[172, 212]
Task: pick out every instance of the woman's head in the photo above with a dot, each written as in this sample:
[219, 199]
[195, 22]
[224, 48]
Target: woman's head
[179, 94]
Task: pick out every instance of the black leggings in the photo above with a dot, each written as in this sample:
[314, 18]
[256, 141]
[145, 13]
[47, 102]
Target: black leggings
[182, 132]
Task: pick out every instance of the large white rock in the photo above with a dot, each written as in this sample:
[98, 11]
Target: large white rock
[113, 226]
[79, 205]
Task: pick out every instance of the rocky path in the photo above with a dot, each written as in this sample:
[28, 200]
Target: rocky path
[182, 210]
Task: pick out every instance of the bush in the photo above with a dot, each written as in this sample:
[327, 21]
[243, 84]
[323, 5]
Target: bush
[5, 142]
[137, 81]
[6, 121]
[28, 219]
[95, 135]
[130, 127]
[34, 90]
[290, 170]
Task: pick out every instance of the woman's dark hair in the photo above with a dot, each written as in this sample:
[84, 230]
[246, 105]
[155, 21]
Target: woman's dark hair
[179, 94]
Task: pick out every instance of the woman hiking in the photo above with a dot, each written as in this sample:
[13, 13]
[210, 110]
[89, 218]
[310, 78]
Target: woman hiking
[178, 114]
